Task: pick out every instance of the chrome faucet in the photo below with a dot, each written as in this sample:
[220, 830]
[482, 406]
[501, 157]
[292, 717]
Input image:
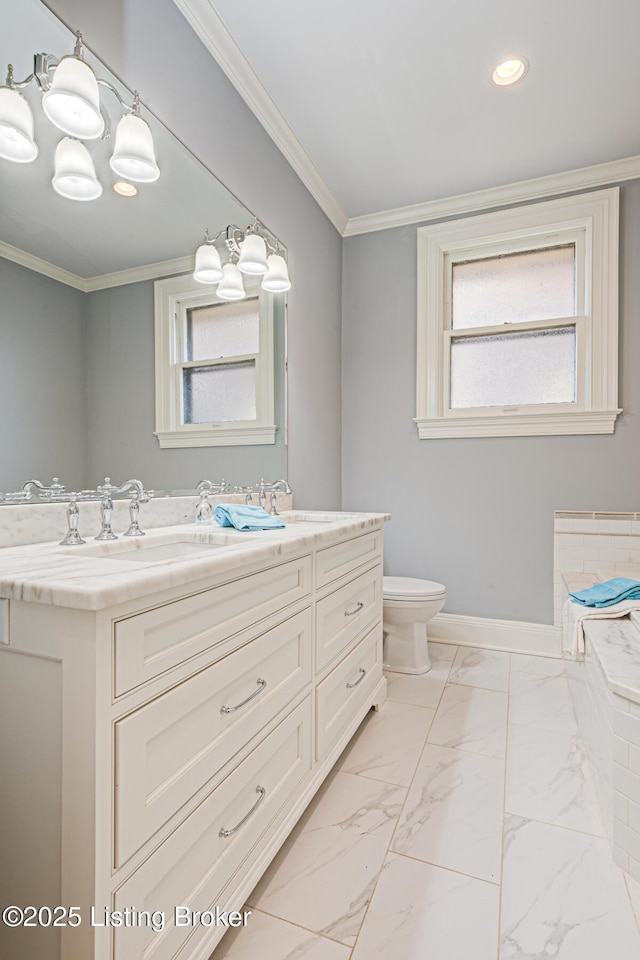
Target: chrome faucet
[55, 491]
[139, 495]
[212, 487]
[265, 487]
[281, 485]
[51, 492]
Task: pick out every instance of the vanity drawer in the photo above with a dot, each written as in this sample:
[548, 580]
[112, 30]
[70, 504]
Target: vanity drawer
[148, 644]
[194, 864]
[339, 697]
[347, 613]
[340, 559]
[171, 747]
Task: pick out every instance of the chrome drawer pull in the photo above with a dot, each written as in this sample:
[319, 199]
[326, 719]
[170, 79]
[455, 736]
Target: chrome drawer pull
[262, 684]
[229, 833]
[363, 674]
[352, 613]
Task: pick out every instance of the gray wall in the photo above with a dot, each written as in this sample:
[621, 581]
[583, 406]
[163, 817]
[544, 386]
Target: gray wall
[121, 403]
[474, 514]
[43, 403]
[150, 45]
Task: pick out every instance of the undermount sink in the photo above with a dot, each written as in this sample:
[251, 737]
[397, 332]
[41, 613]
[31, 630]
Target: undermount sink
[164, 551]
[157, 550]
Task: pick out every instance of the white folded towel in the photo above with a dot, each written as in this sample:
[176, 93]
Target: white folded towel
[574, 615]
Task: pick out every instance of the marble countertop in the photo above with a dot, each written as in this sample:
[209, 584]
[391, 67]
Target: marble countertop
[615, 643]
[93, 576]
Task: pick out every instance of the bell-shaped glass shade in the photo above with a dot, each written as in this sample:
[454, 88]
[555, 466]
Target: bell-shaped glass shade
[73, 102]
[208, 266]
[277, 276]
[230, 287]
[16, 127]
[253, 255]
[134, 156]
[75, 175]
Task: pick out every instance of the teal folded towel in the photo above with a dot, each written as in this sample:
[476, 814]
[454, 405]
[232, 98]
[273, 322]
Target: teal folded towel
[607, 593]
[245, 517]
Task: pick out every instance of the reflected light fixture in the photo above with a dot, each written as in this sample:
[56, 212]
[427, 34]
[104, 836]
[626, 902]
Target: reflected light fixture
[17, 141]
[124, 189]
[510, 71]
[71, 101]
[75, 175]
[231, 286]
[208, 264]
[253, 252]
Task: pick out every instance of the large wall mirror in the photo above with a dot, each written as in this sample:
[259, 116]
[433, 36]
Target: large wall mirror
[77, 361]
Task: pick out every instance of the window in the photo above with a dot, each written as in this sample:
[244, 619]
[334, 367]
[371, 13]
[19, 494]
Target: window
[214, 366]
[518, 321]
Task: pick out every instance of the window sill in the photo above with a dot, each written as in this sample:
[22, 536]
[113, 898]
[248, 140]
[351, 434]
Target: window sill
[505, 424]
[231, 436]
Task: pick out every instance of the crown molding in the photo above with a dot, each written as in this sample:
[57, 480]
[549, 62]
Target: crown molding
[41, 266]
[585, 178]
[149, 271]
[211, 29]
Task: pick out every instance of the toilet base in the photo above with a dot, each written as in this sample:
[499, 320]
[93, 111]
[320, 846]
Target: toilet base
[405, 648]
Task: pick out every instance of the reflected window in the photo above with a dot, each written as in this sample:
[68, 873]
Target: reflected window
[214, 366]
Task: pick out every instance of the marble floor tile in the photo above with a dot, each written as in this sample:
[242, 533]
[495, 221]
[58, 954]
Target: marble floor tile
[354, 804]
[420, 911]
[423, 690]
[536, 666]
[273, 939]
[453, 813]
[562, 897]
[323, 876]
[471, 719]
[388, 744]
[481, 668]
[543, 701]
[548, 779]
[441, 651]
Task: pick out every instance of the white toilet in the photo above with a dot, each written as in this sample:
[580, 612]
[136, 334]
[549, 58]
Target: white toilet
[407, 605]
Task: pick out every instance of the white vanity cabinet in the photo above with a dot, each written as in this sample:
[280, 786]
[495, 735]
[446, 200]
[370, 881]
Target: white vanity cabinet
[185, 732]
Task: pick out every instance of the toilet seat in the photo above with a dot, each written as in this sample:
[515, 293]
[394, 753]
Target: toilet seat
[412, 589]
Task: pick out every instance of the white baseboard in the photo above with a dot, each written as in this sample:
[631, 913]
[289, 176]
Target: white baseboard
[514, 636]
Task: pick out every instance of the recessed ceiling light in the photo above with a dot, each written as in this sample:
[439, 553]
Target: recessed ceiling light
[124, 189]
[510, 70]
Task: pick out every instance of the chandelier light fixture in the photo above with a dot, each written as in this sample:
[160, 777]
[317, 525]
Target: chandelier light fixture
[253, 252]
[71, 101]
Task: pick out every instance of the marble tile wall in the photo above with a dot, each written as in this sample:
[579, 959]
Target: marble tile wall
[592, 543]
[626, 784]
[592, 702]
[610, 729]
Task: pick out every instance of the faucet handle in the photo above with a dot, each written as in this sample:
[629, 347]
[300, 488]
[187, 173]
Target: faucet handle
[72, 538]
[248, 498]
[134, 515]
[105, 487]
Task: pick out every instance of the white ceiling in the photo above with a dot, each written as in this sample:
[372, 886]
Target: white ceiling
[393, 99]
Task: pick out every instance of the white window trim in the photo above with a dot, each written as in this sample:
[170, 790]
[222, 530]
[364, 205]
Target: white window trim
[170, 293]
[592, 219]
